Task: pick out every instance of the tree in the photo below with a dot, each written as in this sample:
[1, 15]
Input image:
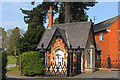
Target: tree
[37, 16]
[22, 32]
[8, 33]
[61, 18]
[67, 12]
[3, 38]
[12, 48]
[35, 19]
[30, 39]
[72, 11]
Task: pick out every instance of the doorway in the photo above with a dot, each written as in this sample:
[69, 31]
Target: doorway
[59, 60]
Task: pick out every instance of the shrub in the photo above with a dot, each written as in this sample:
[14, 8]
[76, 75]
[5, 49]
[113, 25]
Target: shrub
[32, 63]
[4, 63]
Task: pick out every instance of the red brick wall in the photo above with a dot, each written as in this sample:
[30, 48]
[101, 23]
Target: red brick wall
[55, 44]
[109, 45]
[118, 38]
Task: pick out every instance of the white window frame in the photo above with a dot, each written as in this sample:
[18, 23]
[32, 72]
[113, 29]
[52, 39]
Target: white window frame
[88, 59]
[98, 57]
[101, 36]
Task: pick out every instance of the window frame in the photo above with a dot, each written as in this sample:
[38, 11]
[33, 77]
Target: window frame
[118, 35]
[101, 34]
[88, 59]
[98, 57]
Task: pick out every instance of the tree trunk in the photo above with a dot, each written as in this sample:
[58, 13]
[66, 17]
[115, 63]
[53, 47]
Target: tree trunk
[67, 12]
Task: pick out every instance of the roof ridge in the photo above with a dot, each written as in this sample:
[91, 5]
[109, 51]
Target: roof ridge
[107, 19]
[105, 24]
[70, 23]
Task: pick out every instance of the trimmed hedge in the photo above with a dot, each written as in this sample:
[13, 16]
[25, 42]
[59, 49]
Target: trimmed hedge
[4, 63]
[32, 63]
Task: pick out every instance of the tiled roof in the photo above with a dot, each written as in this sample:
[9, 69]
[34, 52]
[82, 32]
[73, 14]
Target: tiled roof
[74, 33]
[105, 24]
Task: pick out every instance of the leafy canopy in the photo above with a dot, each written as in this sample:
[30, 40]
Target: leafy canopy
[12, 48]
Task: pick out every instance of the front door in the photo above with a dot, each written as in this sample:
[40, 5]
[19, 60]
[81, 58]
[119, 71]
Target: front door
[59, 60]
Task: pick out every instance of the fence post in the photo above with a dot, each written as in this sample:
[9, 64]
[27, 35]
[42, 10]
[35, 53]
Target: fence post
[71, 63]
[20, 65]
[78, 60]
[68, 64]
[109, 63]
[100, 63]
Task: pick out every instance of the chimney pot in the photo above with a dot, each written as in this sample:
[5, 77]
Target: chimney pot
[50, 14]
[50, 7]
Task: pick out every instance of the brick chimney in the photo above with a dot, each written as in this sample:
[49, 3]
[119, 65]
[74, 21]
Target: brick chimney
[50, 14]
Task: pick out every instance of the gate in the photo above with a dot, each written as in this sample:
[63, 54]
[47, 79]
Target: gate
[60, 67]
[63, 68]
[78, 63]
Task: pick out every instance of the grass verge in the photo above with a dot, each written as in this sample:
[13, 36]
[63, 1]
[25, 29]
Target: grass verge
[12, 69]
[11, 60]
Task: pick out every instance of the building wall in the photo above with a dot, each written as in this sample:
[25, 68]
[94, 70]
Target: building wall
[51, 53]
[92, 53]
[119, 30]
[109, 45]
[58, 44]
[113, 41]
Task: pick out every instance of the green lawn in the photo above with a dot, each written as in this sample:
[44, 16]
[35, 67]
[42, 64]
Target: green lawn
[13, 69]
[11, 60]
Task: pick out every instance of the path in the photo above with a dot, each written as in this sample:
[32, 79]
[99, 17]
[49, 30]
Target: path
[11, 65]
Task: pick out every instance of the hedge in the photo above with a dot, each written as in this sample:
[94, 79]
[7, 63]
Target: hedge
[32, 63]
[4, 63]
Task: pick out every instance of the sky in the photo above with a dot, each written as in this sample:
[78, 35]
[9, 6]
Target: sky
[13, 17]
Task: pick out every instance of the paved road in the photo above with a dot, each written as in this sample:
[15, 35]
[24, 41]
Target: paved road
[62, 79]
[98, 75]
[10, 65]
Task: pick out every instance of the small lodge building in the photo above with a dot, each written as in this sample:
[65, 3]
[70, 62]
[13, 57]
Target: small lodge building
[69, 48]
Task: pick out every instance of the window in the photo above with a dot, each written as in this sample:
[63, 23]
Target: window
[119, 57]
[88, 59]
[101, 36]
[97, 57]
[119, 35]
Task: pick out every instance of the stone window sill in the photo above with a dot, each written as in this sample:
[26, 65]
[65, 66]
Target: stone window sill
[100, 40]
